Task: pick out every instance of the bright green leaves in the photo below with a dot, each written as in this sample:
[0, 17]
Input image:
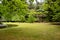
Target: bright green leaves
[12, 8]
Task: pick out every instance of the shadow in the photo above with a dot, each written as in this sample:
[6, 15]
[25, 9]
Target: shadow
[12, 25]
[8, 26]
[2, 26]
[55, 23]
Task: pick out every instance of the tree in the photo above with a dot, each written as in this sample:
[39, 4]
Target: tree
[52, 7]
[12, 8]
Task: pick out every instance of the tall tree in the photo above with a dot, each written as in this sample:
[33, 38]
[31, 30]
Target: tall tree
[52, 7]
[12, 8]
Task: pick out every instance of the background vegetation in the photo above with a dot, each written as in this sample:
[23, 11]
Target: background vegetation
[20, 10]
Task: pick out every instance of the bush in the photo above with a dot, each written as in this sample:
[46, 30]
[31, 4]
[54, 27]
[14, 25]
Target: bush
[56, 17]
[30, 18]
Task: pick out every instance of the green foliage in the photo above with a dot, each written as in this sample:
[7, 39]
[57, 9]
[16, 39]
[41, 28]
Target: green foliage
[16, 10]
[56, 17]
[31, 18]
[22, 18]
[11, 8]
[53, 9]
[32, 0]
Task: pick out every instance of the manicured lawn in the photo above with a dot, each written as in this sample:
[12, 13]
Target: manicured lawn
[30, 31]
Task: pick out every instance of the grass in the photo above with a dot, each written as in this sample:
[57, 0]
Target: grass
[30, 31]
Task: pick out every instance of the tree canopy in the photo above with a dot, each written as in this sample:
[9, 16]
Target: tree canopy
[19, 10]
[13, 8]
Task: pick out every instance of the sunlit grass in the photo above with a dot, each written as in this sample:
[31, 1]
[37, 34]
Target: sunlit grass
[30, 31]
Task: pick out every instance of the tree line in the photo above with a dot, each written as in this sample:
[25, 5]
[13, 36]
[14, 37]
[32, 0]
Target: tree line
[20, 10]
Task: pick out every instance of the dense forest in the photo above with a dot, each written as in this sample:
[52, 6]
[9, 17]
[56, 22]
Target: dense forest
[21, 10]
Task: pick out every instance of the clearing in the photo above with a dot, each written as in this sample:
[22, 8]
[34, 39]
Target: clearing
[30, 31]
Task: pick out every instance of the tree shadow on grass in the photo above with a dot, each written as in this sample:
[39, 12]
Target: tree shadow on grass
[55, 23]
[8, 26]
[12, 25]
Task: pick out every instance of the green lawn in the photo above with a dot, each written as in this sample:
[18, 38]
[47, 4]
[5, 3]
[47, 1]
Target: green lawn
[30, 31]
